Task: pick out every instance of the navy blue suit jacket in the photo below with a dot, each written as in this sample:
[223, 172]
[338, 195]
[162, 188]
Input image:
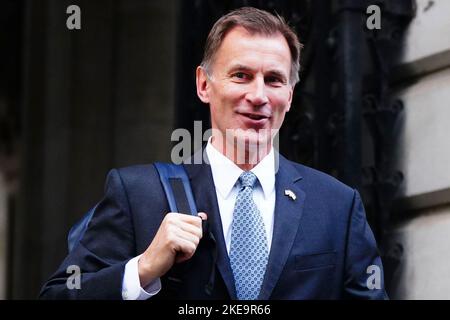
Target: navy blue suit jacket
[321, 249]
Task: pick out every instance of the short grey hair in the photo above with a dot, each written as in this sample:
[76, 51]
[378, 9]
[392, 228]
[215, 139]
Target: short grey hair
[255, 21]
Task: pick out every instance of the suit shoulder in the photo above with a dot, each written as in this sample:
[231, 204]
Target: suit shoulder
[136, 169]
[136, 174]
[321, 180]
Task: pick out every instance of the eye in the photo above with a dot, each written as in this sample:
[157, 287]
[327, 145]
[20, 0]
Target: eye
[274, 80]
[240, 76]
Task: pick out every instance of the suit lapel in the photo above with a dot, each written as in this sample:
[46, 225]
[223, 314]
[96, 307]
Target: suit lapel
[286, 224]
[286, 221]
[206, 199]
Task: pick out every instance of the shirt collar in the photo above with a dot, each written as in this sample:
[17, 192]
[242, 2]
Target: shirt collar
[225, 172]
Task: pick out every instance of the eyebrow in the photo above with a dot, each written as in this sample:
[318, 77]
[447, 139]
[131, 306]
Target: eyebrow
[239, 67]
[274, 72]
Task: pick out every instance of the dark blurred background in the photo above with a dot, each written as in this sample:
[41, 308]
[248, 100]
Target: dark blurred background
[76, 103]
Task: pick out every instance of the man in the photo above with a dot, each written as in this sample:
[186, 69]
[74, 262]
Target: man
[277, 230]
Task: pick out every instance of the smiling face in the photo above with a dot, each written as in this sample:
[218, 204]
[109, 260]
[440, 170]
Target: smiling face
[248, 87]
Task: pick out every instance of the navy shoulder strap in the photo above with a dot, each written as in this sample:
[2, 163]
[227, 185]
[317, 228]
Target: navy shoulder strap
[176, 187]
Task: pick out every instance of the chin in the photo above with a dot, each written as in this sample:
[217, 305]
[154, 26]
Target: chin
[254, 139]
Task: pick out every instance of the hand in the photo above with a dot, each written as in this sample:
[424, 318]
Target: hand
[176, 241]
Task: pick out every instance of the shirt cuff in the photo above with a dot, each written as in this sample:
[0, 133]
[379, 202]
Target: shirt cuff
[131, 285]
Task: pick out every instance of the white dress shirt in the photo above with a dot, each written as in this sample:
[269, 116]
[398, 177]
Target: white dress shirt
[131, 285]
[225, 174]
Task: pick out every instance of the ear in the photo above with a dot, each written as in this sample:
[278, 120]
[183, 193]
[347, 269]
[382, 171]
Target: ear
[202, 84]
[291, 93]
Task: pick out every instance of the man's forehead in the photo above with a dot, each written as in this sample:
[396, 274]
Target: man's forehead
[243, 49]
[237, 32]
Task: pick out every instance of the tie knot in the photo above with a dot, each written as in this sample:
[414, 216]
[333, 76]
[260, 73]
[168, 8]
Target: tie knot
[247, 179]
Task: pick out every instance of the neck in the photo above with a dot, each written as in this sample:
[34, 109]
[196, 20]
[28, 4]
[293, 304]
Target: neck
[244, 155]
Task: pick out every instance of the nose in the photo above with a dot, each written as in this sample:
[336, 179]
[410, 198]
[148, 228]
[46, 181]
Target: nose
[257, 93]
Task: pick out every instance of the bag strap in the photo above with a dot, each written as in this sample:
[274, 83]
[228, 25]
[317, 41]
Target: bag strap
[177, 187]
[180, 198]
[178, 192]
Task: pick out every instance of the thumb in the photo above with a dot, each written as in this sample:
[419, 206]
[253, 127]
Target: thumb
[203, 215]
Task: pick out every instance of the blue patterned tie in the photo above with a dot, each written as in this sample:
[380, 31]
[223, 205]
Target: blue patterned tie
[249, 250]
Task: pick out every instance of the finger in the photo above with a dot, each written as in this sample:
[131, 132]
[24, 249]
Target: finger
[194, 230]
[175, 218]
[178, 221]
[203, 215]
[194, 220]
[185, 247]
[188, 237]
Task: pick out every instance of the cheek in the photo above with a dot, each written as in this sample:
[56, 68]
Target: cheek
[232, 92]
[279, 112]
[281, 103]
[223, 95]
[222, 111]
[280, 93]
[225, 102]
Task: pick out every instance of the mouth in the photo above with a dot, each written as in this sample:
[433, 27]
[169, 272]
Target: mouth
[255, 116]
[254, 120]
